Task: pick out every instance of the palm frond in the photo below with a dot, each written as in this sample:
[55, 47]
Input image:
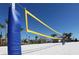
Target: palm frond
[1, 26]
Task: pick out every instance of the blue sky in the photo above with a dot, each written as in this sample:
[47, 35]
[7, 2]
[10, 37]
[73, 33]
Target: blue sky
[61, 17]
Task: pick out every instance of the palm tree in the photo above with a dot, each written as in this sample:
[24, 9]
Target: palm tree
[29, 39]
[36, 37]
[25, 41]
[76, 40]
[1, 27]
[67, 36]
[21, 29]
[6, 23]
[0, 39]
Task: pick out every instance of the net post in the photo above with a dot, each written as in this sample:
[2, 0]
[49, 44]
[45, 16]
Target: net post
[14, 40]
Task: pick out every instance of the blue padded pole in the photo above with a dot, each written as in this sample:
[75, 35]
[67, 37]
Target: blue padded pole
[14, 40]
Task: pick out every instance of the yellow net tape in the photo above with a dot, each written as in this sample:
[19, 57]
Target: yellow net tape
[27, 29]
[33, 32]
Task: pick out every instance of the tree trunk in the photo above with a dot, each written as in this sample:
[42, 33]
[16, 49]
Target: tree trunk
[0, 41]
